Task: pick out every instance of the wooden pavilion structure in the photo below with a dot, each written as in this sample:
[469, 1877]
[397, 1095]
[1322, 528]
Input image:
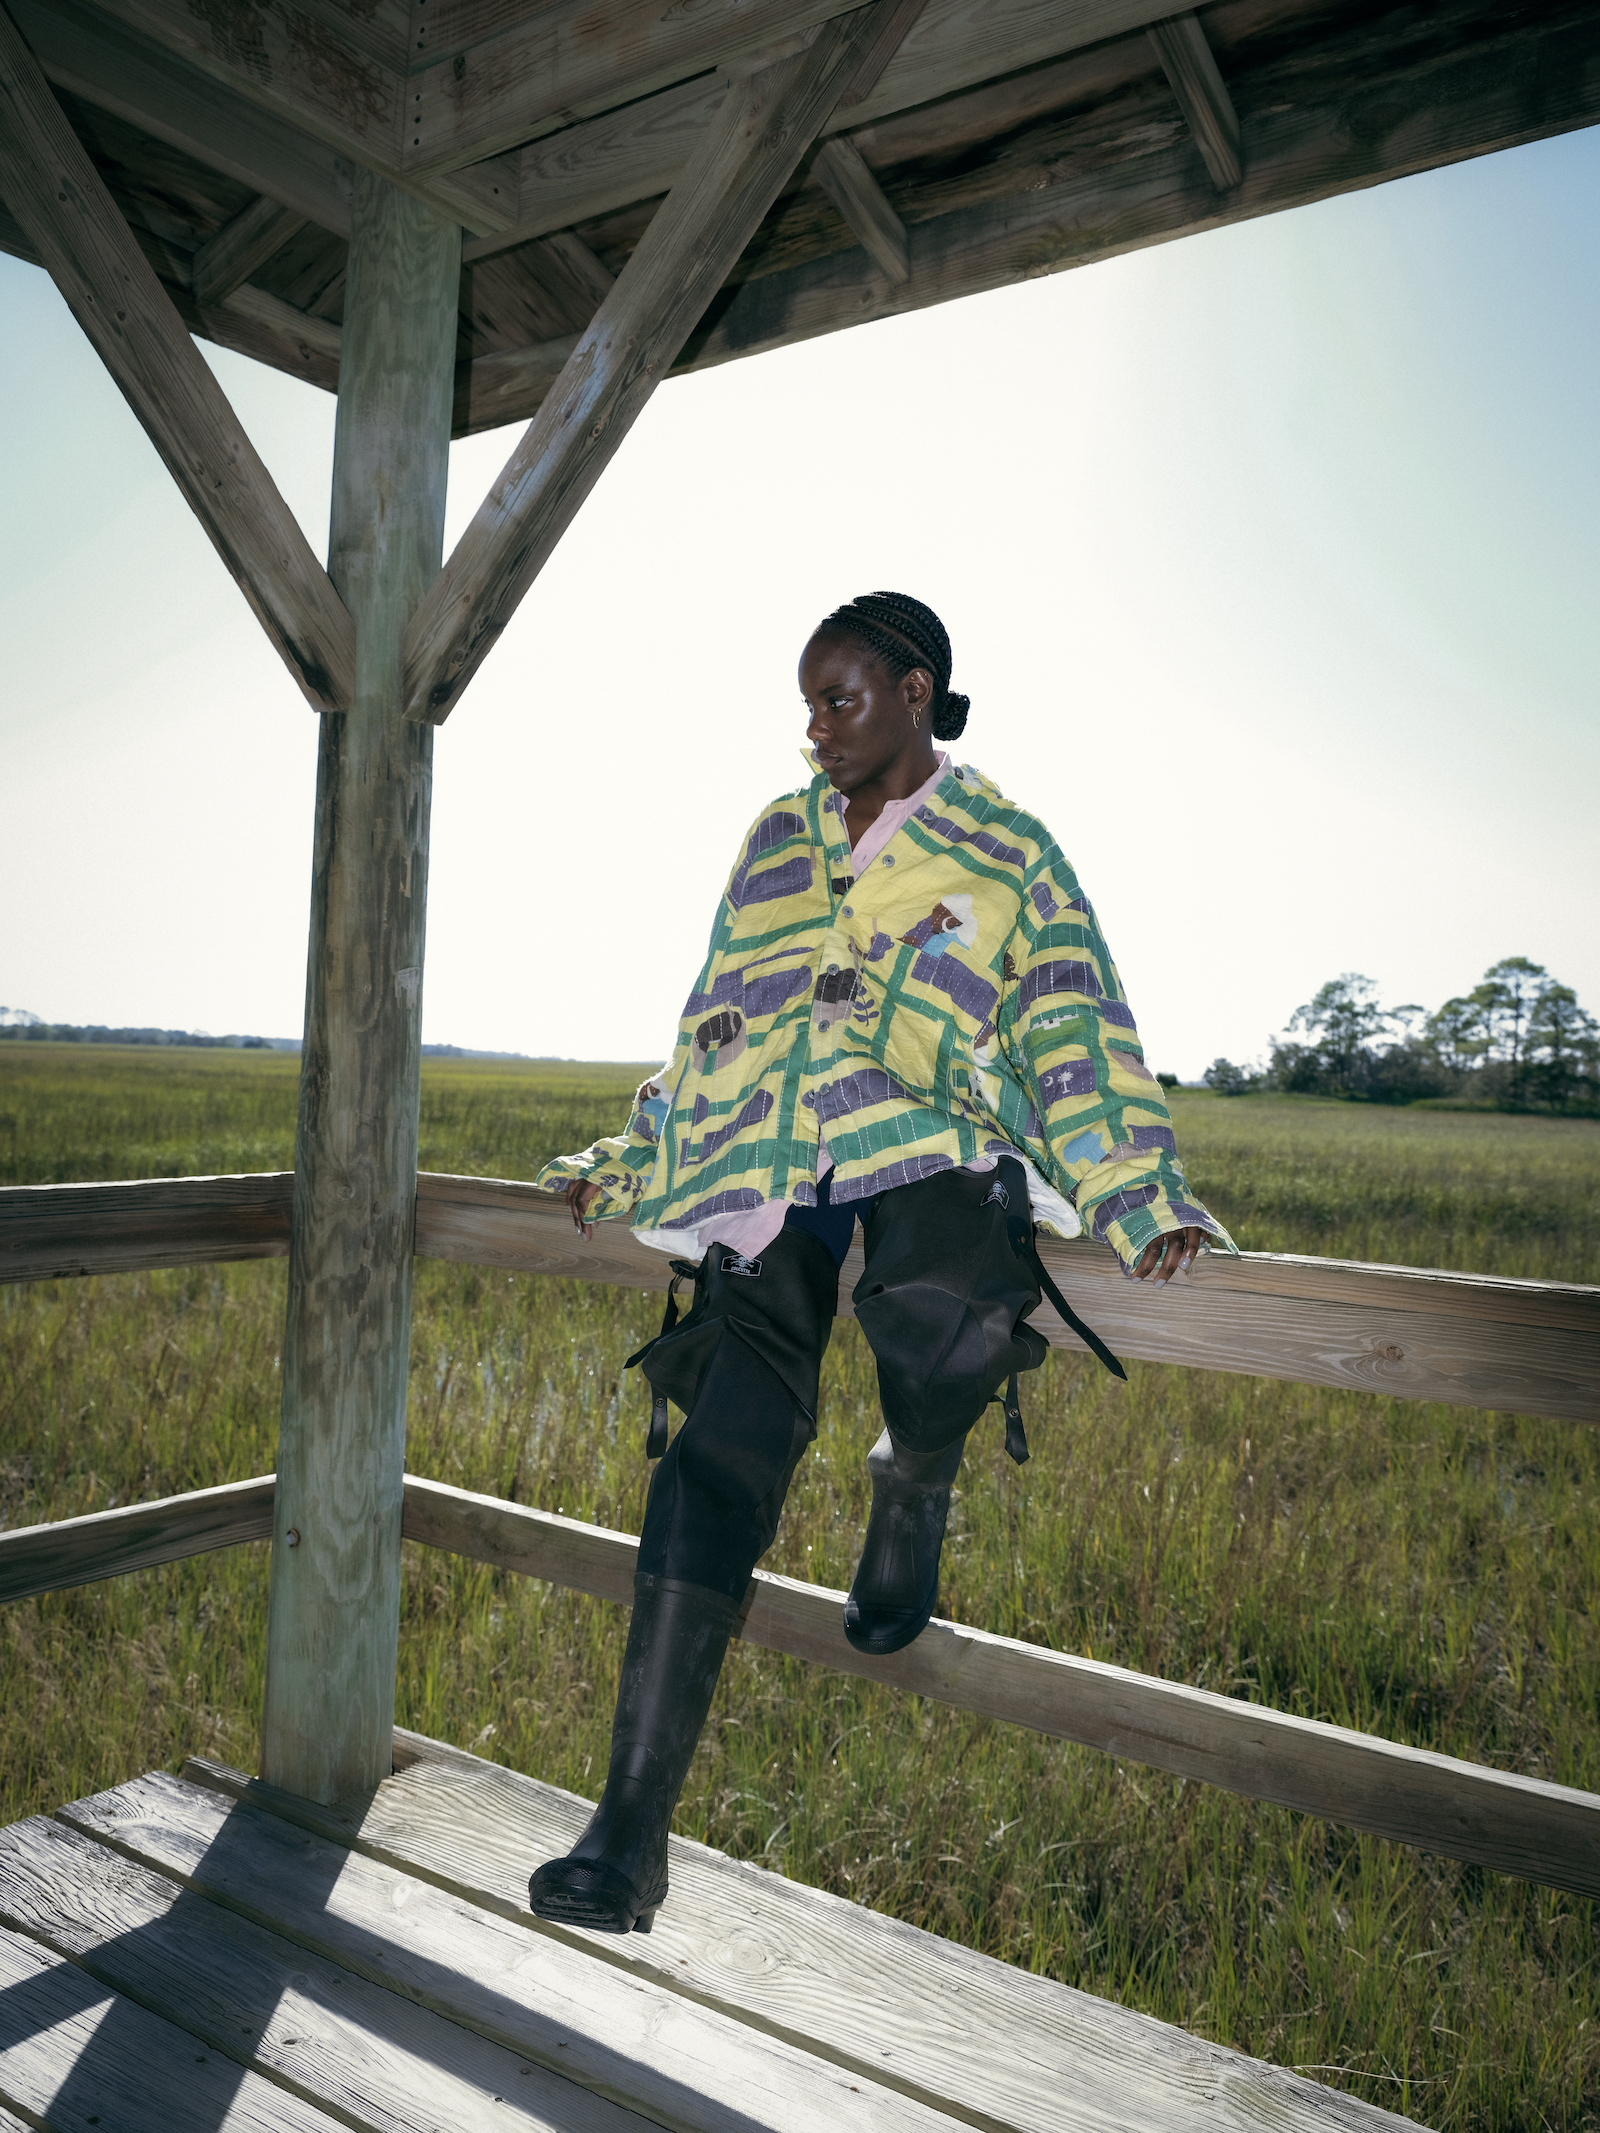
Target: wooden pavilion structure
[464, 213]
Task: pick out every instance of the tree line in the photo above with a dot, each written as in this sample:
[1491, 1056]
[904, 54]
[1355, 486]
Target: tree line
[1519, 1041]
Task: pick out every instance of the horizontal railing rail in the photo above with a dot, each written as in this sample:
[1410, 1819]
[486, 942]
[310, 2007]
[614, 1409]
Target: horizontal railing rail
[1519, 1347]
[1516, 1825]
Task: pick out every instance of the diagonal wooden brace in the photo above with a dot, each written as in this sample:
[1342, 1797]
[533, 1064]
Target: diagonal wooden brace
[749, 149]
[62, 204]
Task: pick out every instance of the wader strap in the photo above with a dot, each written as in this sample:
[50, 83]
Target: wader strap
[1016, 1435]
[655, 1443]
[1090, 1339]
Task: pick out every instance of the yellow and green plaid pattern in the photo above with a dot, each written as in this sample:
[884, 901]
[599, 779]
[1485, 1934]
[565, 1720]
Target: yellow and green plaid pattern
[957, 1000]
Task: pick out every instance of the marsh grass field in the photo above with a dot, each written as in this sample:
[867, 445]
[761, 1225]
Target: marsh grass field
[1425, 1573]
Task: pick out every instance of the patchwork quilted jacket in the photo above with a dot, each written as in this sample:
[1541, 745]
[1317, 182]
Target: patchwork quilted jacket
[956, 1000]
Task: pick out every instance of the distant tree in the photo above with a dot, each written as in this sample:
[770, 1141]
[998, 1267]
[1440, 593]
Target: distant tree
[1168, 1081]
[1459, 1031]
[1510, 992]
[1230, 1080]
[1341, 1018]
[1563, 1048]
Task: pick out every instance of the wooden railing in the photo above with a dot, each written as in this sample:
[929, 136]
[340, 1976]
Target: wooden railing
[1513, 1825]
[1518, 1346]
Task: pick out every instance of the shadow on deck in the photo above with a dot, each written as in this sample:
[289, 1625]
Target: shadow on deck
[204, 1953]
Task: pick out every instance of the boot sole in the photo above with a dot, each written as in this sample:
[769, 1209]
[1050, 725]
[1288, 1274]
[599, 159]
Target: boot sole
[576, 1892]
[879, 1639]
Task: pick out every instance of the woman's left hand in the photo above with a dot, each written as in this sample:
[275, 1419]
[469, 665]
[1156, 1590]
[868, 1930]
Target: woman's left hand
[1169, 1255]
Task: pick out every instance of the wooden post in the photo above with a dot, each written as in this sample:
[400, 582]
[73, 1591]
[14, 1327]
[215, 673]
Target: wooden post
[333, 1615]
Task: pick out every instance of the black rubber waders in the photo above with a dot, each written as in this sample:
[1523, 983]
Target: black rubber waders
[615, 1877]
[949, 1278]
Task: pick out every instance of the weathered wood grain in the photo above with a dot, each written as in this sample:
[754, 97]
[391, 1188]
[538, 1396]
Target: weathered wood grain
[228, 260]
[109, 1544]
[1363, 107]
[490, 85]
[495, 389]
[1191, 67]
[333, 1607]
[49, 1232]
[759, 133]
[1465, 1339]
[111, 67]
[965, 2035]
[619, 2036]
[838, 168]
[302, 65]
[61, 201]
[634, 153]
[1516, 1825]
[74, 2055]
[277, 2006]
[1518, 1346]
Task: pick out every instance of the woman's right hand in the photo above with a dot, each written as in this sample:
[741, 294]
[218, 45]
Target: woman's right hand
[581, 1196]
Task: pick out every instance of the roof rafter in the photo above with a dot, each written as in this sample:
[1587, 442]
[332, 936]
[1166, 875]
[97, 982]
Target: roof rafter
[94, 259]
[763, 127]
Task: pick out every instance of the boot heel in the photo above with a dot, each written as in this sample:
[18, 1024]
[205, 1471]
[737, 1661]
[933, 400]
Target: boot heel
[646, 1919]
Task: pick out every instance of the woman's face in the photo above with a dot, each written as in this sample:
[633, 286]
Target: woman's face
[861, 722]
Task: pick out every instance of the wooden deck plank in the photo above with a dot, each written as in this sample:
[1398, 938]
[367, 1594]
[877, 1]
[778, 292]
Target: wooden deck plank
[75, 2055]
[995, 2046]
[336, 2041]
[679, 2064]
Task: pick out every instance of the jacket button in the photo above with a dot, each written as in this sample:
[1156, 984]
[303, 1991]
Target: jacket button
[888, 859]
[847, 912]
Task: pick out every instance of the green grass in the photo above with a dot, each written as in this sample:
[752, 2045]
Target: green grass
[1426, 1573]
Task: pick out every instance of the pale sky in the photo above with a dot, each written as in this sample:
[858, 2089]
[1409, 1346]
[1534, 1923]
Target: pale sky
[1270, 559]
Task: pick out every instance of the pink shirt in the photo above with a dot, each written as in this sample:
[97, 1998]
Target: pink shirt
[752, 1231]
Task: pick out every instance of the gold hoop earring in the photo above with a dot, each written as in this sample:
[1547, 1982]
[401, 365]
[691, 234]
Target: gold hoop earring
[916, 720]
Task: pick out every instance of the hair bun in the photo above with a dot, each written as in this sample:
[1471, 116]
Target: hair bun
[952, 717]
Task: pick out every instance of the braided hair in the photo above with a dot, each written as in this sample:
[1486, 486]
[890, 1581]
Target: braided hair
[902, 634]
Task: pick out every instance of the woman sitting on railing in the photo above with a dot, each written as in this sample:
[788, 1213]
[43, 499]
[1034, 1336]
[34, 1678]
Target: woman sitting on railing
[907, 1014]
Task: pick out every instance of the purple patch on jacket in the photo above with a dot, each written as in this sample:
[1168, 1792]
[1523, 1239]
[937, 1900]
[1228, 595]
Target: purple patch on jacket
[750, 1114]
[906, 1171]
[1043, 902]
[947, 973]
[1120, 1203]
[1046, 978]
[981, 840]
[881, 944]
[857, 1092]
[739, 1201]
[729, 987]
[702, 1110]
[1143, 1137]
[766, 887]
[764, 996]
[1116, 1014]
[1074, 1078]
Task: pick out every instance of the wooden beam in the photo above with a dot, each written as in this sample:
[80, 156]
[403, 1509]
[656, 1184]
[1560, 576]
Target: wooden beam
[306, 71]
[1494, 1818]
[1516, 1346]
[109, 1544]
[110, 67]
[856, 193]
[1191, 67]
[760, 132]
[892, 37]
[334, 1606]
[485, 90]
[1467, 1340]
[493, 390]
[228, 260]
[62, 203]
[1359, 113]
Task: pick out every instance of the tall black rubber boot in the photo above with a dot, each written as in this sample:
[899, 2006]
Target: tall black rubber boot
[943, 1302]
[615, 1877]
[896, 1587]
